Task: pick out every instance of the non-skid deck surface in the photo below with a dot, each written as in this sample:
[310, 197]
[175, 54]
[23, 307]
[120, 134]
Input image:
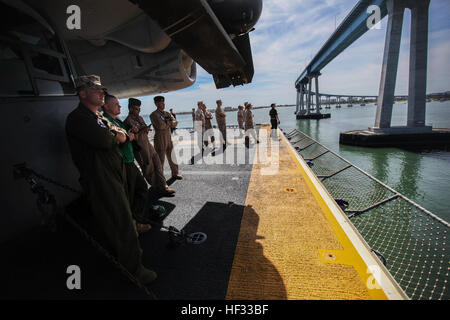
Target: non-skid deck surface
[270, 236]
[289, 247]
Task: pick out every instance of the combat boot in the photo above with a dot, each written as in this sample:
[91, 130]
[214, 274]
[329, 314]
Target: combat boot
[146, 276]
[167, 192]
[142, 227]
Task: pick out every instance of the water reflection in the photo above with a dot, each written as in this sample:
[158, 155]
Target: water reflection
[317, 129]
[399, 169]
[304, 126]
[410, 174]
[379, 161]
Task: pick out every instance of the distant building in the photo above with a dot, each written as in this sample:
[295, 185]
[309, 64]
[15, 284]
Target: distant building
[228, 109]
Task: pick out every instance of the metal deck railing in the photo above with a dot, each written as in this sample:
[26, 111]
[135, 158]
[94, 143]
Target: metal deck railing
[411, 241]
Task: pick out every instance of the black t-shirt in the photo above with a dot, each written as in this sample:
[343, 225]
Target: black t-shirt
[273, 113]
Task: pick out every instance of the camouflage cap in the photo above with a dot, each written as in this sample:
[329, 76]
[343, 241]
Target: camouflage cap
[91, 81]
[158, 99]
[132, 102]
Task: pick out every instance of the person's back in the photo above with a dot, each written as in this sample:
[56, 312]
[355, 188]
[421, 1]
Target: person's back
[249, 125]
[208, 117]
[220, 117]
[248, 119]
[200, 121]
[273, 114]
[240, 117]
[220, 114]
[274, 120]
[209, 133]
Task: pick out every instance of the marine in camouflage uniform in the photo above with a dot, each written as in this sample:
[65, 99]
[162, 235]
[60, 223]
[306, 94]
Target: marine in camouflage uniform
[221, 122]
[208, 127]
[148, 159]
[240, 117]
[249, 125]
[240, 120]
[162, 121]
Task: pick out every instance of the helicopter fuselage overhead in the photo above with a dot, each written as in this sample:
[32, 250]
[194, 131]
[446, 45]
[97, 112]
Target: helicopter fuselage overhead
[137, 47]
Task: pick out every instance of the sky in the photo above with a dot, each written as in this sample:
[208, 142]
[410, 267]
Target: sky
[288, 35]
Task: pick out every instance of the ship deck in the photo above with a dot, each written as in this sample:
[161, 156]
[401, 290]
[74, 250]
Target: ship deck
[273, 232]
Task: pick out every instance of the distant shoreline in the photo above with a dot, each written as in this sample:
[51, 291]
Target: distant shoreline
[236, 109]
[430, 98]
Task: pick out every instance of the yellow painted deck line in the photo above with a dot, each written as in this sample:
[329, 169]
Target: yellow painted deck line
[376, 273]
[291, 245]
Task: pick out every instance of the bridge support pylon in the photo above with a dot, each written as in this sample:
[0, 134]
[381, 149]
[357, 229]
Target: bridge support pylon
[316, 78]
[300, 109]
[308, 114]
[417, 70]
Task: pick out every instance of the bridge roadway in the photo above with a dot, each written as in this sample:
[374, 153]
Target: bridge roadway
[350, 30]
[271, 235]
[338, 98]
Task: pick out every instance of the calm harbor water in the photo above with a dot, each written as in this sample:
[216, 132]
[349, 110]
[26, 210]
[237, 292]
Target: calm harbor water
[423, 176]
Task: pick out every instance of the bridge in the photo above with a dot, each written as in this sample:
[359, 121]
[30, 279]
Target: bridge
[328, 99]
[359, 21]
